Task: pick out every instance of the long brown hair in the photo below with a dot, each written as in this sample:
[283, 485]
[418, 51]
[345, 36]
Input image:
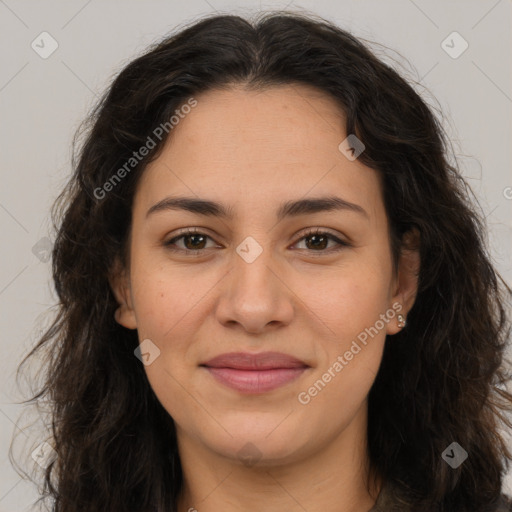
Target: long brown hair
[442, 377]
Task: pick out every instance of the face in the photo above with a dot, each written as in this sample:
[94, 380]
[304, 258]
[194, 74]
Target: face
[312, 283]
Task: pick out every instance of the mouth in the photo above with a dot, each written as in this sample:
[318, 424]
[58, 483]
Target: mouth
[255, 373]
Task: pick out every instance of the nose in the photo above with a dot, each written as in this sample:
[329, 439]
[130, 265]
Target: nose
[255, 296]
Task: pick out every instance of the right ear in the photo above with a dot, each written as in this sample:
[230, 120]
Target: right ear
[121, 287]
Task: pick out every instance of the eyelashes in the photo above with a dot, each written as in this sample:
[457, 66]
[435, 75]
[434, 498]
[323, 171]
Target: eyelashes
[186, 234]
[317, 236]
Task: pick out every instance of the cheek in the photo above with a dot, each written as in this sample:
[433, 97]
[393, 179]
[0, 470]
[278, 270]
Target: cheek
[351, 299]
[164, 299]
[170, 306]
[355, 306]
[348, 366]
[167, 311]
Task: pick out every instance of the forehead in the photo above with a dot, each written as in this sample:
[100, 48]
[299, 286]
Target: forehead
[252, 147]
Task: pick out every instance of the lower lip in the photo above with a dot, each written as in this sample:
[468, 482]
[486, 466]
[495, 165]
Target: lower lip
[255, 381]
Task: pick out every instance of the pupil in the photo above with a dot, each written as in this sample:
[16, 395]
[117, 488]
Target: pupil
[317, 241]
[317, 237]
[189, 237]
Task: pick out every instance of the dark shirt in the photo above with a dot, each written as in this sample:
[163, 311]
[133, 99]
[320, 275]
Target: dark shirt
[387, 502]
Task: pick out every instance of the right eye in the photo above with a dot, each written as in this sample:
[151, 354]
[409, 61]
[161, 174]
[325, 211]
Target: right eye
[194, 241]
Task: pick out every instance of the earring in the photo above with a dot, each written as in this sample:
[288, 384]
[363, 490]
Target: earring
[401, 321]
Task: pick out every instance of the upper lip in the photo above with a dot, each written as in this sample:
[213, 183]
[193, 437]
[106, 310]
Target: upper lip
[261, 361]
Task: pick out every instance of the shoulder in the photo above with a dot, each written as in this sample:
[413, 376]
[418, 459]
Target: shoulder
[391, 500]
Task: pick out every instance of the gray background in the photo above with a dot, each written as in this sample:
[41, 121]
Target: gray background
[42, 102]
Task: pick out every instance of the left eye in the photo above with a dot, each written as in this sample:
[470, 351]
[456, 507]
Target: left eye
[316, 241]
[320, 239]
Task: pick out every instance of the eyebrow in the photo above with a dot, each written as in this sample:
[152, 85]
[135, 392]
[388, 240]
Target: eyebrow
[287, 209]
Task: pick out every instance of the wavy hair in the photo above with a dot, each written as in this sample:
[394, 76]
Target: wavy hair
[442, 378]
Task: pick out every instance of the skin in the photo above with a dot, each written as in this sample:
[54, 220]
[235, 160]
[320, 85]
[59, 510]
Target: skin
[253, 151]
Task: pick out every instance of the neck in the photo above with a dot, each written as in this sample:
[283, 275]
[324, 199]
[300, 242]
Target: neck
[332, 478]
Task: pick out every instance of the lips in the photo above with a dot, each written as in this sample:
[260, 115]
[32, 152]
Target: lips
[261, 361]
[255, 373]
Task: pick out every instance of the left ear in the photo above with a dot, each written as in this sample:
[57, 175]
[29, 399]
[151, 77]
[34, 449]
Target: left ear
[406, 282]
[120, 285]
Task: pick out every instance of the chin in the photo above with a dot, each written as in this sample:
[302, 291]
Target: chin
[261, 443]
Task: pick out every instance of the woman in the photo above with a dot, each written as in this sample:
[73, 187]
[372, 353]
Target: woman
[274, 291]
